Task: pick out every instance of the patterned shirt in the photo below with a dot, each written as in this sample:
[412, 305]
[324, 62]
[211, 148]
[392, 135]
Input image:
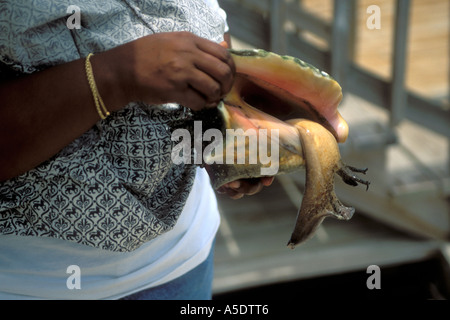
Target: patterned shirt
[115, 187]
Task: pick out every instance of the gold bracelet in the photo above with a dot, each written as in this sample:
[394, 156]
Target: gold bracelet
[101, 108]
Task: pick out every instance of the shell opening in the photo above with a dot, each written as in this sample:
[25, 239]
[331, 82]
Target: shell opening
[278, 102]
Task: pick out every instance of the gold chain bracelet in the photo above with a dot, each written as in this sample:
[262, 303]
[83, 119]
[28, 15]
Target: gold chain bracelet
[101, 108]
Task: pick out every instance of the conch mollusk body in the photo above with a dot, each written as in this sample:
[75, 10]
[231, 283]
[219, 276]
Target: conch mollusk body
[301, 103]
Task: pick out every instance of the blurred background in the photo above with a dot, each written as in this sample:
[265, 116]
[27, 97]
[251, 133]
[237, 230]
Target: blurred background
[391, 58]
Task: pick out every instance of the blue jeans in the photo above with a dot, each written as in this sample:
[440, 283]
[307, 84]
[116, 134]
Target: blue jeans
[194, 285]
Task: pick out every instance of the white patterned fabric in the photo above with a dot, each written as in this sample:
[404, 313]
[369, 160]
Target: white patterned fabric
[36, 267]
[115, 187]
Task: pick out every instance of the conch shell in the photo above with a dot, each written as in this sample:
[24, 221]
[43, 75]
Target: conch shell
[301, 103]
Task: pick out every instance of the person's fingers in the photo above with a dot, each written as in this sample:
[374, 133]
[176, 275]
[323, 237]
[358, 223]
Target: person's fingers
[267, 181]
[237, 189]
[217, 70]
[203, 83]
[192, 99]
[215, 50]
[233, 194]
[234, 184]
[250, 186]
[177, 67]
[223, 72]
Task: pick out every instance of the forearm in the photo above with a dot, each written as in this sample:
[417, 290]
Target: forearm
[43, 112]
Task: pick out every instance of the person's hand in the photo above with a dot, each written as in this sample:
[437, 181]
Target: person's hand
[239, 188]
[177, 67]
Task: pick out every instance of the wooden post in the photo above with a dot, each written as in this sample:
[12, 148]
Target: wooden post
[398, 93]
[277, 20]
[341, 40]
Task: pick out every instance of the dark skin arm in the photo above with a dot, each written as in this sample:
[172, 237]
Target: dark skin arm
[42, 113]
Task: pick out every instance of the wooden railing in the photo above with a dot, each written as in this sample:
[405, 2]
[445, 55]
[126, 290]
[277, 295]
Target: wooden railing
[395, 197]
[262, 23]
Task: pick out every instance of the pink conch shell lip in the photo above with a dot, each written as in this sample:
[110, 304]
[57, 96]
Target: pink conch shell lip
[286, 88]
[301, 104]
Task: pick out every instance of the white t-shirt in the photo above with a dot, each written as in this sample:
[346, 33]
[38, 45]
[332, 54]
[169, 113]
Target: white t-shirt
[37, 267]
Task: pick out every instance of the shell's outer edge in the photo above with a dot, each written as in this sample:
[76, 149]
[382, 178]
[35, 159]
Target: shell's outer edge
[263, 54]
[306, 81]
[325, 89]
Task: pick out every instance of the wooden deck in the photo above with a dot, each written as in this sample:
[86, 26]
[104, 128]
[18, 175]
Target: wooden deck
[428, 68]
[251, 246]
[405, 215]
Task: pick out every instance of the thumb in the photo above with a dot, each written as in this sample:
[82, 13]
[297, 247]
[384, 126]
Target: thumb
[224, 44]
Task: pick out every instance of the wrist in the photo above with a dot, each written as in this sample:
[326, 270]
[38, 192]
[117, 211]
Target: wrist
[109, 80]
